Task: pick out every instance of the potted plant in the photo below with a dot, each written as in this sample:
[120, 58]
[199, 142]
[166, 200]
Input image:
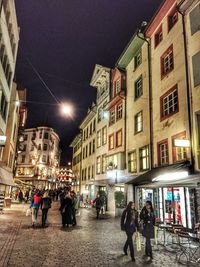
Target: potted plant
[120, 203]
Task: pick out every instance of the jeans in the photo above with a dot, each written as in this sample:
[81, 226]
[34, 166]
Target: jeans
[34, 214]
[148, 248]
[129, 243]
[44, 216]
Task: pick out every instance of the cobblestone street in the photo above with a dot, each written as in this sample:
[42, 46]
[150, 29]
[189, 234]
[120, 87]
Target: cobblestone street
[91, 243]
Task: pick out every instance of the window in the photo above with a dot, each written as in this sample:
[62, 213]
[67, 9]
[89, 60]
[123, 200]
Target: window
[139, 122]
[111, 141]
[144, 158]
[169, 103]
[196, 68]
[104, 135]
[45, 147]
[90, 128]
[112, 162]
[132, 162]
[94, 125]
[90, 148]
[99, 138]
[23, 159]
[93, 146]
[83, 171]
[158, 37]
[25, 137]
[118, 86]
[119, 111]
[138, 59]
[163, 155]
[138, 87]
[10, 162]
[46, 135]
[112, 116]
[92, 176]
[172, 18]
[86, 151]
[179, 153]
[44, 158]
[104, 163]
[86, 135]
[40, 136]
[85, 174]
[4, 106]
[89, 168]
[167, 62]
[195, 19]
[198, 129]
[98, 165]
[119, 138]
[14, 132]
[32, 147]
[99, 114]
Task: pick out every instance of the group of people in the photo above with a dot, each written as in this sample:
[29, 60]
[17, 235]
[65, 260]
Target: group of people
[132, 221]
[69, 204]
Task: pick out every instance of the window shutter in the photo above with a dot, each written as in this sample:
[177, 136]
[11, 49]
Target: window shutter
[196, 69]
[195, 19]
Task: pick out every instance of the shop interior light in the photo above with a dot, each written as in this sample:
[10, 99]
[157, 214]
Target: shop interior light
[182, 143]
[171, 176]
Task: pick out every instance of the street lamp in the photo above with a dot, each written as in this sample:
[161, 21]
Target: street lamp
[67, 109]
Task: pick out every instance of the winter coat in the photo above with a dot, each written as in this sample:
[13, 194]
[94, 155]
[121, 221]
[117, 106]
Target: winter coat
[36, 201]
[129, 220]
[148, 221]
[99, 202]
[46, 203]
[66, 210]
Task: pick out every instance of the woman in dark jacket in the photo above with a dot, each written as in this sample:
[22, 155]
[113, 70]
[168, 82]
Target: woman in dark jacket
[66, 210]
[45, 206]
[129, 223]
[148, 220]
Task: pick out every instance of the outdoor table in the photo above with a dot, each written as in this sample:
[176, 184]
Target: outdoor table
[165, 227]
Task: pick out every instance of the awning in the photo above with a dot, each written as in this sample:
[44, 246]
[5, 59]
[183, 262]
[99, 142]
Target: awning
[148, 176]
[110, 181]
[6, 177]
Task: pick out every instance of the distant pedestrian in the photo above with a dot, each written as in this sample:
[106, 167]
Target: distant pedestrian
[147, 217]
[20, 196]
[99, 204]
[45, 206]
[35, 204]
[81, 201]
[74, 207]
[129, 224]
[66, 210]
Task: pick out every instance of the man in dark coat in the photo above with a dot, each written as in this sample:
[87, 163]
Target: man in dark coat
[148, 219]
[129, 223]
[99, 204]
[66, 210]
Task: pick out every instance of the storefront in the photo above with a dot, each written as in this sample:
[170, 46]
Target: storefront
[173, 192]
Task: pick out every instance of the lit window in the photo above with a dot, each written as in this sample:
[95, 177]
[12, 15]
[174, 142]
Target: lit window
[111, 141]
[118, 86]
[119, 138]
[172, 18]
[104, 135]
[169, 103]
[98, 165]
[144, 158]
[138, 87]
[112, 116]
[158, 36]
[132, 162]
[179, 153]
[104, 163]
[119, 111]
[99, 138]
[138, 59]
[138, 122]
[167, 62]
[163, 155]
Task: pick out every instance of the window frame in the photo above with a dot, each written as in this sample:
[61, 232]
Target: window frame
[138, 89]
[141, 157]
[98, 165]
[165, 55]
[99, 138]
[117, 134]
[111, 136]
[132, 161]
[181, 135]
[104, 134]
[159, 156]
[136, 123]
[157, 39]
[171, 23]
[119, 111]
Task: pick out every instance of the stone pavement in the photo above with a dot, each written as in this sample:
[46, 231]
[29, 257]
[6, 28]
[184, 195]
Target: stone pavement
[91, 243]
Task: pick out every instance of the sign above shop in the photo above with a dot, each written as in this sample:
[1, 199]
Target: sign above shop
[2, 140]
[171, 176]
[182, 143]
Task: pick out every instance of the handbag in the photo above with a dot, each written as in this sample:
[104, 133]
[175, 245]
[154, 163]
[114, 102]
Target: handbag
[28, 212]
[138, 242]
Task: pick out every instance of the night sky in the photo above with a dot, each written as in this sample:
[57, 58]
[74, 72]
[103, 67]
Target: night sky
[63, 40]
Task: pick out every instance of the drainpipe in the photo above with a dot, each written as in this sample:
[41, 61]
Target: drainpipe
[81, 162]
[150, 95]
[188, 92]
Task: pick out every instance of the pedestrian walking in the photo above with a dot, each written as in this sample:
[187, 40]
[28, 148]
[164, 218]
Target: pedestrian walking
[99, 204]
[74, 207]
[35, 204]
[66, 210]
[129, 224]
[147, 218]
[45, 206]
[20, 196]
